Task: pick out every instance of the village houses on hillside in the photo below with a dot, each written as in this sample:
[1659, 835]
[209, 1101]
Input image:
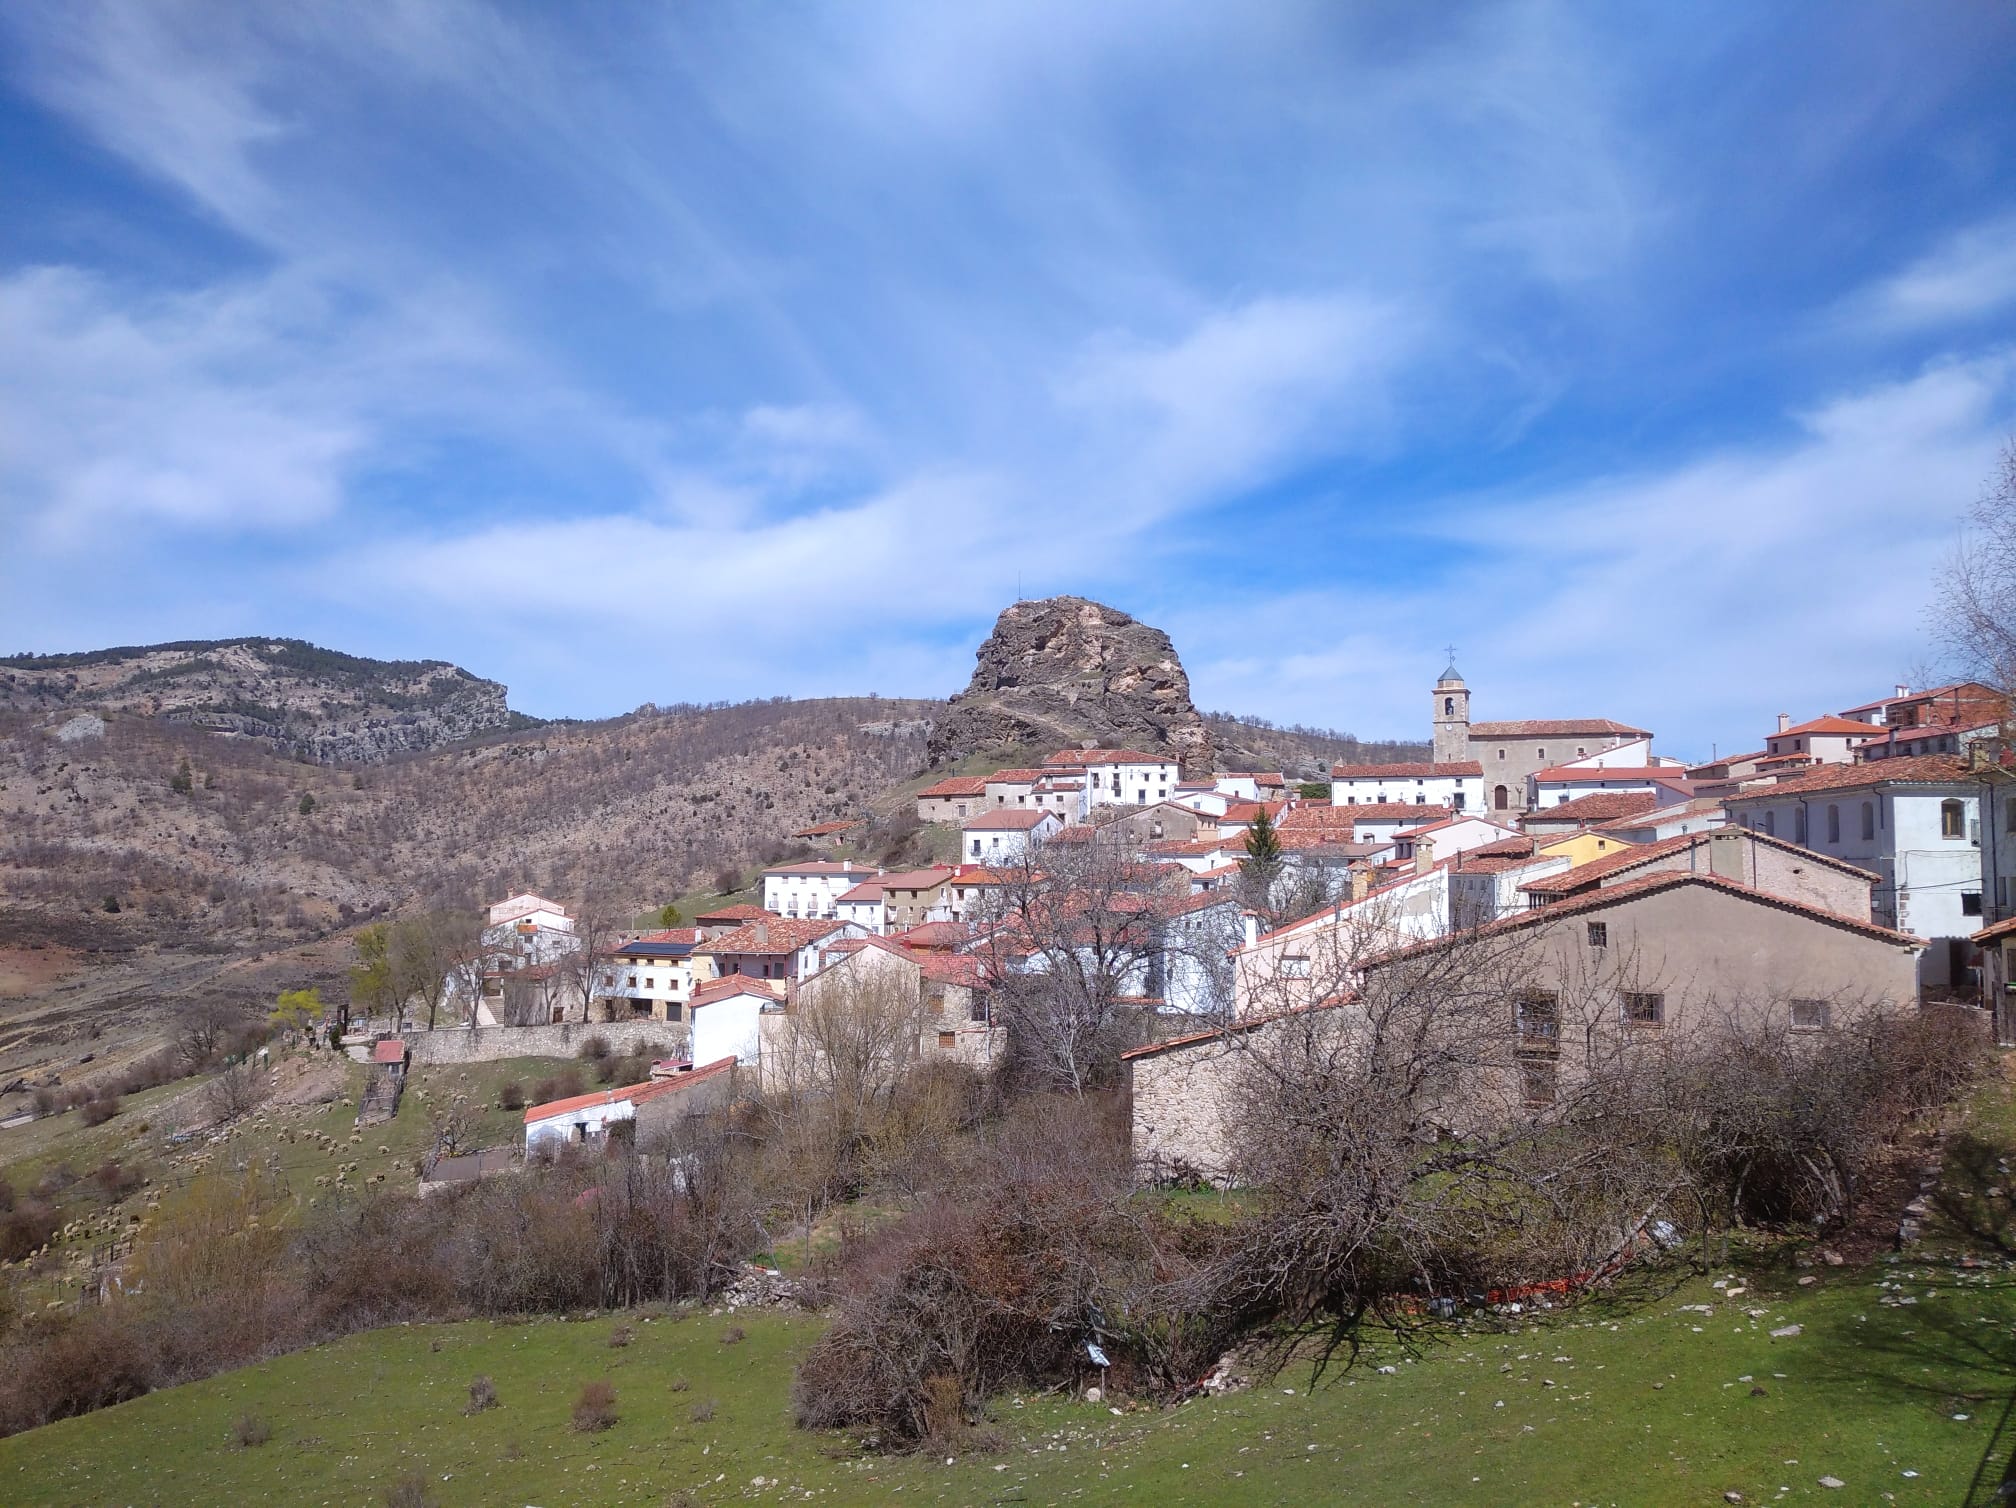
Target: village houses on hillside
[1857, 860]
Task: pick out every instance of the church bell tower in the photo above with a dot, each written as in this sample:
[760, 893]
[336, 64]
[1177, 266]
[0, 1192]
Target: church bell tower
[1452, 715]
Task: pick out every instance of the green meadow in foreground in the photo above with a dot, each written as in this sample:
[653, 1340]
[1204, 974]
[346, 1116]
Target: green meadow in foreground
[1896, 1386]
[1892, 1382]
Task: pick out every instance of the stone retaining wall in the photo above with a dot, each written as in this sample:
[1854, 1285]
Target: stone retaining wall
[486, 1044]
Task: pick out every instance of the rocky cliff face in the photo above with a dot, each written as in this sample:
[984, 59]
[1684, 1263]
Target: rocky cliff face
[1067, 671]
[284, 693]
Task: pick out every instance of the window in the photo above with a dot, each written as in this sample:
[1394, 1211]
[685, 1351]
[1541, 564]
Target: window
[1799, 823]
[976, 848]
[633, 982]
[1809, 1015]
[673, 1011]
[948, 1040]
[1501, 753]
[2010, 807]
[1970, 903]
[1599, 934]
[1541, 752]
[1580, 752]
[1952, 818]
[1770, 824]
[1644, 1009]
[1536, 1015]
[1833, 824]
[1295, 966]
[650, 983]
[1448, 706]
[977, 1011]
[1868, 821]
[1537, 1080]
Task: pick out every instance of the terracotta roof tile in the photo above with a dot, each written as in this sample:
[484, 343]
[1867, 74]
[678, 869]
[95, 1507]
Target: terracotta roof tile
[1416, 771]
[1599, 806]
[1558, 727]
[779, 934]
[1927, 769]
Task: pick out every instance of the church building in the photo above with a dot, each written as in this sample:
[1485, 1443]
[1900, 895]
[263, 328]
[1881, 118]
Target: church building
[1511, 754]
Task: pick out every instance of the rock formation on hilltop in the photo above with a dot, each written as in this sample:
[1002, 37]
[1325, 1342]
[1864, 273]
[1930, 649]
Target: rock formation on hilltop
[289, 695]
[1067, 671]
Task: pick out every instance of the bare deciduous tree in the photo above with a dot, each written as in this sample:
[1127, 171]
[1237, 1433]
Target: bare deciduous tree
[1976, 609]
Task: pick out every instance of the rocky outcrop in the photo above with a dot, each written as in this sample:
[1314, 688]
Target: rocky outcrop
[292, 696]
[1067, 671]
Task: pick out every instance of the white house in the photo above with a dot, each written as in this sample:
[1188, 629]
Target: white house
[526, 930]
[810, 888]
[653, 975]
[727, 1017]
[1702, 814]
[1006, 836]
[1560, 784]
[589, 1118]
[1820, 740]
[775, 948]
[1121, 777]
[1456, 784]
[1915, 821]
[865, 907]
[1450, 836]
[1380, 823]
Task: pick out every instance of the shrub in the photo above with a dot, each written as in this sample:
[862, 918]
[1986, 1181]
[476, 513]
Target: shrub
[100, 1108]
[115, 1182]
[595, 1048]
[25, 1227]
[679, 1385]
[511, 1096]
[621, 1336]
[734, 1335]
[248, 1430]
[701, 1412]
[411, 1491]
[482, 1395]
[595, 1408]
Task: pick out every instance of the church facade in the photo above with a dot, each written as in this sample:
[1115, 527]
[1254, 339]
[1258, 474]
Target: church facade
[1512, 753]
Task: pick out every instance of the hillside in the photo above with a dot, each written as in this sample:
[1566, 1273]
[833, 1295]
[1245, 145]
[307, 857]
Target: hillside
[288, 695]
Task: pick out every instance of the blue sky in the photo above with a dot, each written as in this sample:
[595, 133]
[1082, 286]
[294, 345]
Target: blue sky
[1647, 353]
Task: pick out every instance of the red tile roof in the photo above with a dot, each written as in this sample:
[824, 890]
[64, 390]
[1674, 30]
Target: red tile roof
[1555, 728]
[1008, 819]
[1599, 806]
[917, 879]
[955, 785]
[823, 866]
[1561, 774]
[1996, 932]
[1018, 777]
[936, 935]
[779, 934]
[1833, 725]
[636, 1094]
[744, 912]
[827, 829]
[1377, 811]
[737, 984]
[391, 1050]
[1405, 771]
[861, 894]
[1596, 870]
[1914, 769]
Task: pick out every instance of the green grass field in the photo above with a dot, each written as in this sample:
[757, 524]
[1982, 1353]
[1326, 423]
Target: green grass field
[1633, 1399]
[1899, 1384]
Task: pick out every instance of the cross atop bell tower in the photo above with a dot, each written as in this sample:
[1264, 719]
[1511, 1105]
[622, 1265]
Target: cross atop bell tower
[1451, 715]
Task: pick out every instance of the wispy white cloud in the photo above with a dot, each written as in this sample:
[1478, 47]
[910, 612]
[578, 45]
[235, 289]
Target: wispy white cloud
[1971, 273]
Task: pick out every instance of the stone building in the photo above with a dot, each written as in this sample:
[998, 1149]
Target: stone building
[1511, 753]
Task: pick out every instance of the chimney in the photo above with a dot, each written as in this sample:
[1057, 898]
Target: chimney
[1902, 689]
[1725, 854]
[1784, 721]
[762, 934]
[1249, 923]
[1424, 855]
[1361, 880]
